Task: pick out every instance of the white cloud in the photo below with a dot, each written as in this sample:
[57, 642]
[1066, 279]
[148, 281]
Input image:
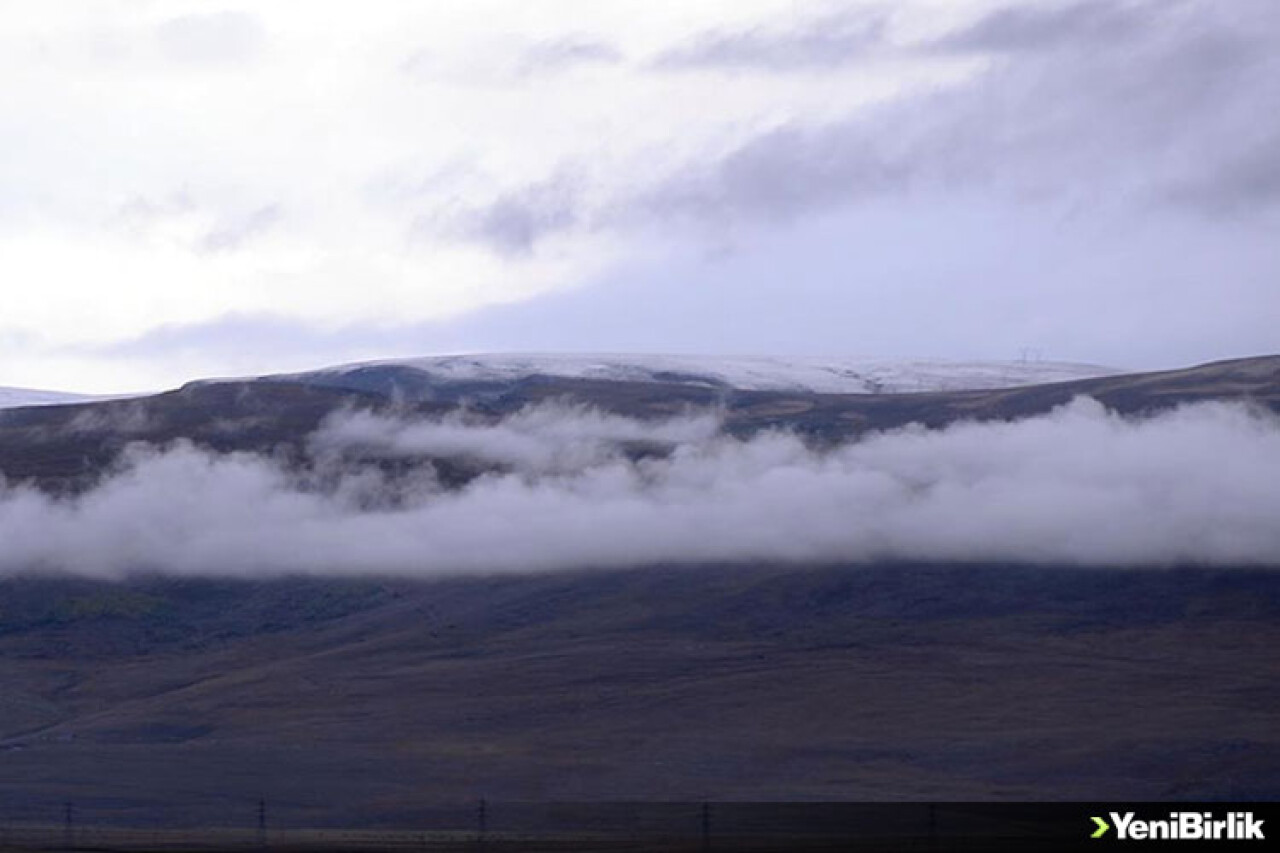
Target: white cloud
[538, 441]
[216, 37]
[1198, 485]
[252, 108]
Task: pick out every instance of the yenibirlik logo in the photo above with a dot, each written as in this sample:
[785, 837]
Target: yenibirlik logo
[1182, 826]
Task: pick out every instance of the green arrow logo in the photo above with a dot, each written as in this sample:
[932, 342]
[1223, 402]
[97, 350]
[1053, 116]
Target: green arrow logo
[1103, 826]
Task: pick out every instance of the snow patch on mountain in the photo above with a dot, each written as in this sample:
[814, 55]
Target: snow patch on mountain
[763, 373]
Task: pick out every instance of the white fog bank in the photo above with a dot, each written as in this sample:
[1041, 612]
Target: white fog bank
[1198, 485]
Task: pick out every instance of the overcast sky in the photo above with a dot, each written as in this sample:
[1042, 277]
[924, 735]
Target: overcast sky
[204, 188]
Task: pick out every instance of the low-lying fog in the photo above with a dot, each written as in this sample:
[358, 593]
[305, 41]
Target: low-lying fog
[568, 489]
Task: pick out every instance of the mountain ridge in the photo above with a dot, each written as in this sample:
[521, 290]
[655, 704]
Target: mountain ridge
[68, 446]
[748, 373]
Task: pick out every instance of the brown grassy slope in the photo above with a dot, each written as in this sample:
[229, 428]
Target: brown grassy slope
[351, 702]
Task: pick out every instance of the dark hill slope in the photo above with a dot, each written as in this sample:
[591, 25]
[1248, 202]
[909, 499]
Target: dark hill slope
[366, 700]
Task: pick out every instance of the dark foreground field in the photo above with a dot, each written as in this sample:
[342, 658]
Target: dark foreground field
[387, 703]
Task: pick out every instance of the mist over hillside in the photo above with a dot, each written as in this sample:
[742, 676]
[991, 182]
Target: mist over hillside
[564, 487]
[545, 473]
[356, 601]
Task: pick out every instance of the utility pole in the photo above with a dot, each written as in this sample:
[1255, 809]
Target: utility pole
[68, 825]
[262, 823]
[706, 827]
[482, 820]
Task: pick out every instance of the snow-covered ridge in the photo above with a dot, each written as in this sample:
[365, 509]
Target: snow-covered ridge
[818, 375]
[756, 373]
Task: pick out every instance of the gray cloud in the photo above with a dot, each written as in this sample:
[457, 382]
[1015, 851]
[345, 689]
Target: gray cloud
[274, 338]
[141, 212]
[823, 43]
[232, 233]
[516, 64]
[1077, 486]
[1237, 187]
[785, 173]
[130, 418]
[554, 55]
[1136, 106]
[541, 440]
[1137, 101]
[1038, 27]
[215, 38]
[514, 222]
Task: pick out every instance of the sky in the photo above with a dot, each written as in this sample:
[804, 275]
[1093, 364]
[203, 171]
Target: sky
[193, 189]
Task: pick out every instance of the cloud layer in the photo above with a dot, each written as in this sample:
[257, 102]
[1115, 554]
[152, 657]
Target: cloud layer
[383, 181]
[566, 489]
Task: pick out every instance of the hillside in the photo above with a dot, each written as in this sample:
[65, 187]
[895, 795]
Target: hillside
[367, 701]
[369, 673]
